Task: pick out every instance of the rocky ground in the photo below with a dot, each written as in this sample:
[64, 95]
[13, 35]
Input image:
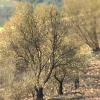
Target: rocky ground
[89, 89]
[90, 85]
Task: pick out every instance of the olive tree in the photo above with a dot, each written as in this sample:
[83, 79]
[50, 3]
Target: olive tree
[35, 40]
[85, 20]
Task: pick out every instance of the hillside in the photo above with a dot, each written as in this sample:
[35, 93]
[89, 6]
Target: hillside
[7, 7]
[90, 86]
[48, 52]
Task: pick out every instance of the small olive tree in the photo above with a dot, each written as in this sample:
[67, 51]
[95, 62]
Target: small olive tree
[35, 40]
[85, 20]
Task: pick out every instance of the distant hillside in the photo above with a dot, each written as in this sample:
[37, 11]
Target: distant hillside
[7, 7]
[5, 14]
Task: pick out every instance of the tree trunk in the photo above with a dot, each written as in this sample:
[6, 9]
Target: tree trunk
[97, 49]
[60, 89]
[77, 83]
[39, 93]
[33, 94]
[17, 98]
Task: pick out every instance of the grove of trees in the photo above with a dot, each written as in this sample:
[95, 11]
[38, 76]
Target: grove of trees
[41, 48]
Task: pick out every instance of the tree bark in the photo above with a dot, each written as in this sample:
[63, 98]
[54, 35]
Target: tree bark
[17, 98]
[97, 49]
[77, 83]
[39, 93]
[33, 94]
[60, 84]
[60, 89]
